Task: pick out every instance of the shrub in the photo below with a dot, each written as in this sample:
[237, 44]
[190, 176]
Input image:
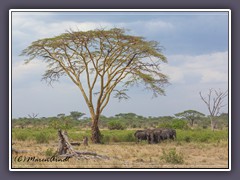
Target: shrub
[118, 136]
[165, 125]
[175, 124]
[205, 137]
[179, 124]
[21, 136]
[172, 157]
[134, 126]
[106, 139]
[115, 125]
[187, 139]
[41, 138]
[130, 137]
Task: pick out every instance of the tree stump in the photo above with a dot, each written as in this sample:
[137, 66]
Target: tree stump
[85, 141]
[64, 145]
[65, 148]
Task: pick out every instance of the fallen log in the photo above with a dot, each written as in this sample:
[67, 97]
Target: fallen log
[75, 143]
[86, 155]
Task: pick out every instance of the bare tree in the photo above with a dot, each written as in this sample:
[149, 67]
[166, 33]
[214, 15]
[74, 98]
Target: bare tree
[32, 116]
[214, 101]
[99, 62]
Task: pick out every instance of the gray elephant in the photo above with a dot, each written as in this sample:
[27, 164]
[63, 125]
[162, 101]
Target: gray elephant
[168, 133]
[161, 134]
[165, 134]
[173, 134]
[155, 135]
[146, 134]
[150, 136]
[140, 135]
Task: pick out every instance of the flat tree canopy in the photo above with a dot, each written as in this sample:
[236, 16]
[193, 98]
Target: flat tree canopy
[99, 60]
[190, 115]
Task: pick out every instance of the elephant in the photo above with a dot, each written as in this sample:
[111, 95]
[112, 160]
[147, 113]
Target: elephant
[155, 135]
[168, 133]
[160, 134]
[165, 134]
[146, 134]
[173, 134]
[150, 136]
[140, 135]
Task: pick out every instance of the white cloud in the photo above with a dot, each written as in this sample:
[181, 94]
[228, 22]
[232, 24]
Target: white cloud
[34, 27]
[23, 71]
[174, 73]
[209, 68]
[38, 28]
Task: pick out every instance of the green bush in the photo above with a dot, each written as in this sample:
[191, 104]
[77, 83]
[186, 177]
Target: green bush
[129, 137]
[133, 126]
[175, 124]
[118, 136]
[165, 125]
[41, 137]
[201, 135]
[106, 138]
[21, 136]
[172, 157]
[187, 139]
[180, 124]
[49, 134]
[115, 125]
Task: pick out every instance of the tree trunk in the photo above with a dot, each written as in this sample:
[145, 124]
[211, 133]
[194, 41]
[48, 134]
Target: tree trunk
[213, 127]
[96, 135]
[191, 122]
[213, 124]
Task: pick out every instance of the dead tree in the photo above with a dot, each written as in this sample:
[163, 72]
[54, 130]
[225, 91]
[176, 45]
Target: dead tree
[214, 102]
[33, 116]
[65, 149]
[64, 145]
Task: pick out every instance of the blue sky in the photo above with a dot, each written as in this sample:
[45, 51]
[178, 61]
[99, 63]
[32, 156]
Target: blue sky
[195, 44]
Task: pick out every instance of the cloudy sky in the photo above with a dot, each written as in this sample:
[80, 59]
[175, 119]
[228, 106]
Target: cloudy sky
[195, 44]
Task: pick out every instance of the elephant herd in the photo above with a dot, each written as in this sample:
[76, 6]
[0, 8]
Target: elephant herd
[155, 135]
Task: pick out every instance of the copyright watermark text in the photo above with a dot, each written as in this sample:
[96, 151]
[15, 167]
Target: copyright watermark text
[36, 159]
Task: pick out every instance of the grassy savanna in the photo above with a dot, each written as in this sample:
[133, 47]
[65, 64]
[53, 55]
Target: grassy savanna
[201, 148]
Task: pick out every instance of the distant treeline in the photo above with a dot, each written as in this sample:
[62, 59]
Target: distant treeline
[119, 121]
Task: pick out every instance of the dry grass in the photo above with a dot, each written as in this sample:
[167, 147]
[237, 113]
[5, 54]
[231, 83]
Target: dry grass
[129, 155]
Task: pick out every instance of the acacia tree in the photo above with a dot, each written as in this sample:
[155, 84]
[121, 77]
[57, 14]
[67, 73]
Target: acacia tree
[76, 115]
[214, 101]
[190, 115]
[97, 61]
